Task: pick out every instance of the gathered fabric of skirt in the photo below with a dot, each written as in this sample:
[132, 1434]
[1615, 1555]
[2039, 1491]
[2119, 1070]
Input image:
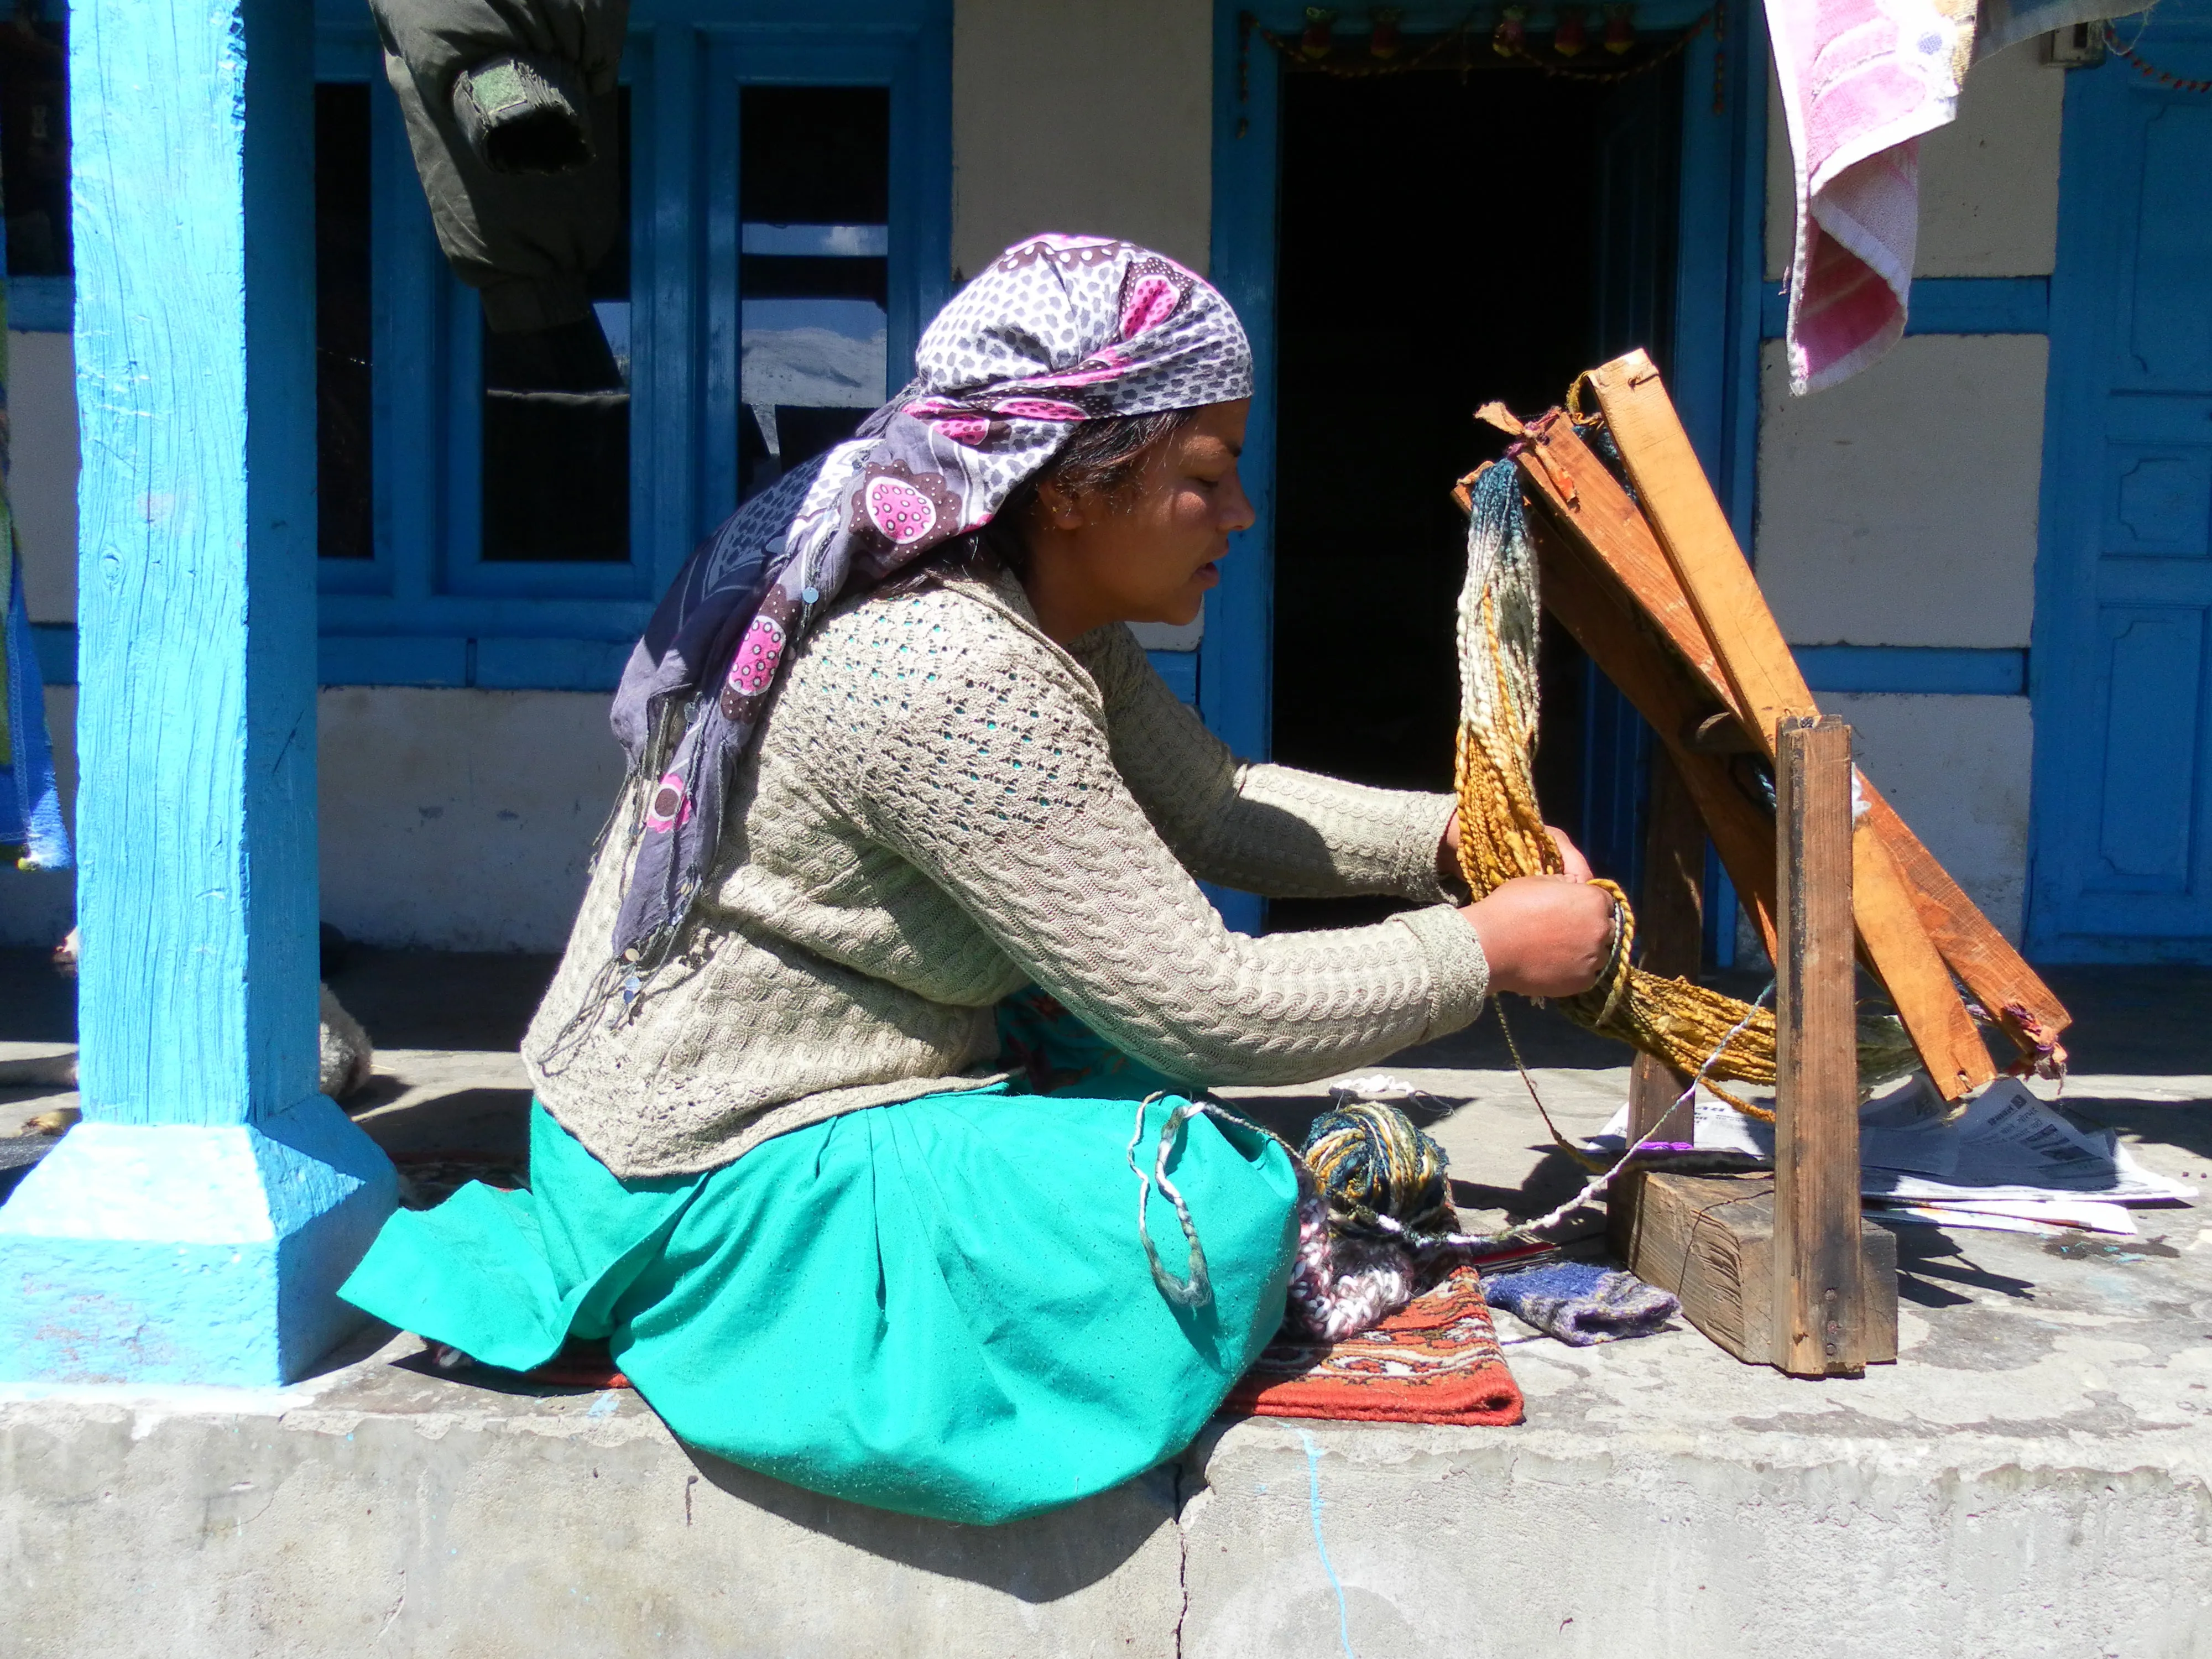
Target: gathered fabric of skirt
[940, 1307]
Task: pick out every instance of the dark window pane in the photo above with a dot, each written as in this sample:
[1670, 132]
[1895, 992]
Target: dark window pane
[778, 276]
[814, 277]
[34, 144]
[556, 422]
[342, 450]
[816, 155]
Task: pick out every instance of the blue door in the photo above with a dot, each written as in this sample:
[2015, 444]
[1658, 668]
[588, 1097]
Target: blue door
[2122, 673]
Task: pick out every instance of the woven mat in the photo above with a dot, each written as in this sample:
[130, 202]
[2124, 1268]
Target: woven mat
[1435, 1361]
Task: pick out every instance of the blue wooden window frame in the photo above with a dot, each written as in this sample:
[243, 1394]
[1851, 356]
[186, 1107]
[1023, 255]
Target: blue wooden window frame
[424, 611]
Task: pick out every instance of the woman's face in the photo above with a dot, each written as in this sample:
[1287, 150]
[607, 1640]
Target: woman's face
[1151, 556]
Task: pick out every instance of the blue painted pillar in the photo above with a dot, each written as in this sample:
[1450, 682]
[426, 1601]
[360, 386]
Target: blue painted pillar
[195, 1226]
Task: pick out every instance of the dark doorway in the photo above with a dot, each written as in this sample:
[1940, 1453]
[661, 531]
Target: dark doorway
[1447, 238]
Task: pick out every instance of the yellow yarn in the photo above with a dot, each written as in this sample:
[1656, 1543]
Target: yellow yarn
[1502, 835]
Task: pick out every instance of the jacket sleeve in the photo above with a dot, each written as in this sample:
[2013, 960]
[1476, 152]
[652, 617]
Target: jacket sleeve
[1268, 830]
[989, 767]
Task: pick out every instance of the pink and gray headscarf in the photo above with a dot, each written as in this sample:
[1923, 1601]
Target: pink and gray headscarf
[1058, 330]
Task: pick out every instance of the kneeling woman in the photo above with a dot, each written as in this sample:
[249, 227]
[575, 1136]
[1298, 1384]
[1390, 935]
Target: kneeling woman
[900, 919]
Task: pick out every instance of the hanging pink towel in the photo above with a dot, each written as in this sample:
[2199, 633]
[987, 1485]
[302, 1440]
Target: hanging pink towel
[1860, 81]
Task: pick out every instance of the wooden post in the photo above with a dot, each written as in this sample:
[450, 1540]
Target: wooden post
[1670, 927]
[196, 1226]
[1787, 1272]
[1820, 1326]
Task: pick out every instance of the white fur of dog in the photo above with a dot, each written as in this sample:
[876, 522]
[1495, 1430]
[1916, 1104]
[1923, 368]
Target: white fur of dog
[347, 1058]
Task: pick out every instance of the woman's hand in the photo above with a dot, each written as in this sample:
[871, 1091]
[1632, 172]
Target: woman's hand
[1577, 867]
[1545, 936]
[1448, 851]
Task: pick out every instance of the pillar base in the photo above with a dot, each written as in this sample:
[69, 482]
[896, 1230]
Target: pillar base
[189, 1252]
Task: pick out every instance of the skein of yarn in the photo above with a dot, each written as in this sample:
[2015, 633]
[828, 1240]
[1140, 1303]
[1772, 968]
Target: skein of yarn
[1379, 1173]
[1374, 1205]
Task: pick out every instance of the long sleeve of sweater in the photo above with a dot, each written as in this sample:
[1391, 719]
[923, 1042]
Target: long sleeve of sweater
[1268, 829]
[989, 767]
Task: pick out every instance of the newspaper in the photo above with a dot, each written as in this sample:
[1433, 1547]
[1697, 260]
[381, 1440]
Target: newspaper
[2026, 1215]
[2006, 1145]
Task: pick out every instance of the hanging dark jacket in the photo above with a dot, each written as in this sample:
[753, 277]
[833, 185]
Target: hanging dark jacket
[511, 111]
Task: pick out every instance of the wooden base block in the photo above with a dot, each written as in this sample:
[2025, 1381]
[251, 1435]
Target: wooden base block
[1710, 1239]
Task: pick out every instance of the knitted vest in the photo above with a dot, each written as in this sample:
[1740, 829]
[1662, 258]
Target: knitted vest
[943, 805]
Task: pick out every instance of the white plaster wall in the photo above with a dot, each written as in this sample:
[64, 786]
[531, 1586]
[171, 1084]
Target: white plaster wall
[1957, 770]
[42, 470]
[1077, 115]
[1989, 181]
[455, 819]
[1900, 508]
[460, 819]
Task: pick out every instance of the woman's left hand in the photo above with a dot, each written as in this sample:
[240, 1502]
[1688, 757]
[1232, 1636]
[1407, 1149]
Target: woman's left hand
[1577, 867]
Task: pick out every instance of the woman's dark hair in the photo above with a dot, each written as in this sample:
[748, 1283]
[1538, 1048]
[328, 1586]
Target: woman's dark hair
[1102, 457]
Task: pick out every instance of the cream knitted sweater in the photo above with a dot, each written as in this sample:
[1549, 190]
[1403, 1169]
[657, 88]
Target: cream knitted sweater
[943, 805]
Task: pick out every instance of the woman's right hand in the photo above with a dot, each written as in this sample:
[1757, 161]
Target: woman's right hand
[1545, 936]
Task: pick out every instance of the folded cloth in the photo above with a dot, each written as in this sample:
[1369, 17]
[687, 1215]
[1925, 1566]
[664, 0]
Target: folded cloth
[1580, 1302]
[30, 804]
[1436, 1360]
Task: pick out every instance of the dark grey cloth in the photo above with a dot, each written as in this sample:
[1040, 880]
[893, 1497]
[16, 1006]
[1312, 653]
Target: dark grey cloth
[524, 240]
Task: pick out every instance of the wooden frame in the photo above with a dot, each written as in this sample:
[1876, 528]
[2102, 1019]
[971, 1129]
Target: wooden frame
[1614, 588]
[1654, 589]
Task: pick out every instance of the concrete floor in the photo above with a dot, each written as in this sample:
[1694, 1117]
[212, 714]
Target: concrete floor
[2034, 1476]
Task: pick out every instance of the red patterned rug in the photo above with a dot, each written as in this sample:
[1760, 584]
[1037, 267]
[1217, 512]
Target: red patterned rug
[1435, 1361]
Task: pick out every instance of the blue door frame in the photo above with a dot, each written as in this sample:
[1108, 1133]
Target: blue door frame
[2120, 668]
[1718, 300]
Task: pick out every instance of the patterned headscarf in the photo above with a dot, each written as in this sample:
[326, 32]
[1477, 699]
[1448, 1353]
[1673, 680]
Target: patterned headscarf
[1058, 330]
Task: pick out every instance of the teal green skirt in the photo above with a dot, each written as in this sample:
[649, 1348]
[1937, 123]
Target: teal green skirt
[941, 1307]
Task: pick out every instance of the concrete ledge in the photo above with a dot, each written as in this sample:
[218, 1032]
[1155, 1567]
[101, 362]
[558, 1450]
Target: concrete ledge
[1662, 1497]
[2034, 1477]
[388, 1509]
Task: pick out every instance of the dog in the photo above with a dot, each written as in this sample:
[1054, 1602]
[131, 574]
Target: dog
[346, 1059]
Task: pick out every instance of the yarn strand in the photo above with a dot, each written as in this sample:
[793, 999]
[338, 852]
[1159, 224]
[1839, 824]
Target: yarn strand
[1695, 1030]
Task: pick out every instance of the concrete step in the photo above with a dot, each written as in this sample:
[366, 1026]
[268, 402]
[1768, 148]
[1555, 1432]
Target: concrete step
[2034, 1476]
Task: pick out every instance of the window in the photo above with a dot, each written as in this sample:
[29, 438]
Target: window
[553, 422]
[504, 510]
[813, 271]
[343, 408]
[34, 140]
[34, 163]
